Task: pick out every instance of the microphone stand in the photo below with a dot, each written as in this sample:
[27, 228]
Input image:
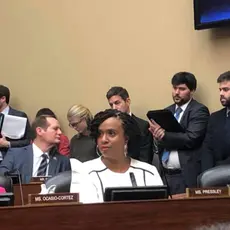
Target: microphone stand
[20, 185]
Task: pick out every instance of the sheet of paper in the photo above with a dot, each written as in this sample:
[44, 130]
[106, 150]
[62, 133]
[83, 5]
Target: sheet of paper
[13, 127]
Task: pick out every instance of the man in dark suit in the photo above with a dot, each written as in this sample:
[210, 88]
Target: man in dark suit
[5, 109]
[118, 98]
[180, 151]
[216, 146]
[40, 158]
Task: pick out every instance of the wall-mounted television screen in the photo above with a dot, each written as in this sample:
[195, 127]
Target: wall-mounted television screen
[211, 13]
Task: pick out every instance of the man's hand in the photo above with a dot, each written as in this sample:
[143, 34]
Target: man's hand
[4, 143]
[156, 130]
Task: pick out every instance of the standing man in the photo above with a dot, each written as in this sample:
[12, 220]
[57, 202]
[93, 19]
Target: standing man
[180, 151]
[40, 158]
[118, 98]
[216, 146]
[5, 109]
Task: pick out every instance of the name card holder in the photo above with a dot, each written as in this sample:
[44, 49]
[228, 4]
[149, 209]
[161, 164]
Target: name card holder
[53, 198]
[40, 179]
[208, 192]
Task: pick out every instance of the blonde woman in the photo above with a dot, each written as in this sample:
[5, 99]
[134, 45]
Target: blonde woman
[82, 146]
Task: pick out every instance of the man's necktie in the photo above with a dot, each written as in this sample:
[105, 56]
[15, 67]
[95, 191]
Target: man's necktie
[1, 119]
[165, 155]
[43, 166]
[177, 113]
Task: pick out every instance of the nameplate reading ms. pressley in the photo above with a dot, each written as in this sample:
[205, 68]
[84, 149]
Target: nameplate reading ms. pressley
[53, 198]
[207, 192]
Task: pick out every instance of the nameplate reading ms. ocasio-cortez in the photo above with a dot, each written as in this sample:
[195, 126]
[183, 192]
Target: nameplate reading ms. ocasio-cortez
[207, 192]
[53, 198]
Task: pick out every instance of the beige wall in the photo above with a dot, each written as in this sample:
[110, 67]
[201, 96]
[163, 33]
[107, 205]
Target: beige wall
[57, 53]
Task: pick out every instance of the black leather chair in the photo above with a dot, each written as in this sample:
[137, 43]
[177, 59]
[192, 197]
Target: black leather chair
[7, 183]
[6, 199]
[62, 182]
[218, 176]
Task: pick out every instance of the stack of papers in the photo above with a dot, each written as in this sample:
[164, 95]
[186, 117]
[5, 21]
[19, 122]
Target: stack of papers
[13, 127]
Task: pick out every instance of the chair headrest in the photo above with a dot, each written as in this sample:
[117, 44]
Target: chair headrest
[62, 182]
[6, 182]
[215, 177]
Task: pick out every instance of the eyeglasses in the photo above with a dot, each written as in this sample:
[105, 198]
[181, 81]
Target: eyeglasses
[75, 124]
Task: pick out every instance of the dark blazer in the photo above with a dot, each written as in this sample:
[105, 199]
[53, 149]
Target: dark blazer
[21, 159]
[216, 147]
[194, 121]
[25, 140]
[143, 149]
[83, 148]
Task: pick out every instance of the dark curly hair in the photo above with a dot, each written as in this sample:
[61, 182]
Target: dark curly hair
[130, 127]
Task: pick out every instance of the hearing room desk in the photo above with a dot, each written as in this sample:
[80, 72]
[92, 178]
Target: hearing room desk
[160, 215]
[33, 188]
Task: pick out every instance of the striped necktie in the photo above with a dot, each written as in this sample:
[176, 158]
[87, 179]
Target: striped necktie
[177, 113]
[1, 120]
[43, 166]
[165, 155]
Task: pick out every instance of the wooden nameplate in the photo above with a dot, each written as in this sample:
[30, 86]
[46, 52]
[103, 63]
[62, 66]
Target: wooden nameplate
[208, 192]
[53, 198]
[40, 179]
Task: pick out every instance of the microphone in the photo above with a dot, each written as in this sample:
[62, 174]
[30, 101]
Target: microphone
[155, 143]
[133, 179]
[12, 175]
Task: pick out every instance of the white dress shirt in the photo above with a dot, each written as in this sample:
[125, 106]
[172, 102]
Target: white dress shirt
[5, 112]
[102, 177]
[37, 159]
[173, 161]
